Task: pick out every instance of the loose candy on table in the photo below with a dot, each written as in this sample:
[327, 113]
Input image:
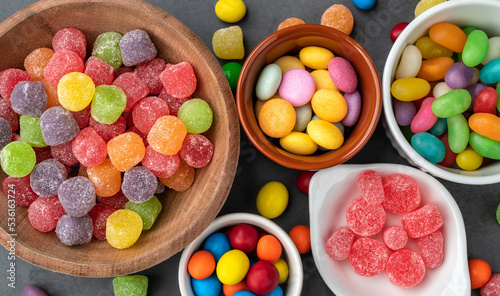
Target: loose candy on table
[63, 62]
[338, 17]
[74, 230]
[484, 146]
[196, 115]
[486, 124]
[107, 48]
[277, 118]
[397, 30]
[325, 134]
[329, 105]
[148, 210]
[149, 72]
[458, 133]
[58, 126]
[19, 190]
[197, 150]
[269, 248]
[423, 5]
[287, 63]
[29, 98]
[452, 103]
[364, 4]
[289, 22]
[217, 244]
[422, 221]
[301, 237]
[476, 48]
[9, 79]
[369, 183]
[123, 228]
[303, 180]
[32, 290]
[47, 176]
[315, 57]
[106, 178]
[99, 71]
[126, 150]
[432, 249]
[449, 36]
[232, 267]
[134, 89]
[17, 159]
[227, 43]
[130, 285]
[491, 287]
[99, 214]
[479, 272]
[30, 131]
[108, 131]
[89, 148]
[139, 184]
[44, 213]
[147, 111]
[298, 143]
[136, 48]
[395, 237]
[402, 194]
[201, 265]
[272, 199]
[167, 135]
[36, 61]
[232, 71]
[297, 87]
[368, 257]
[365, 219]
[410, 89]
[303, 115]
[70, 39]
[262, 278]
[405, 268]
[230, 11]
[182, 179]
[210, 286]
[268, 82]
[410, 63]
[77, 196]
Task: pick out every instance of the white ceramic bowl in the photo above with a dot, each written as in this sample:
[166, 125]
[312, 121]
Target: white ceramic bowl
[292, 257]
[482, 14]
[330, 192]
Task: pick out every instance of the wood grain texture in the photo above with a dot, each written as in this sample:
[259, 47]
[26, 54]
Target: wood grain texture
[185, 215]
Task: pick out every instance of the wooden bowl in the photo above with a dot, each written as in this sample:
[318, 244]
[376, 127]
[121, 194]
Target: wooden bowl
[185, 215]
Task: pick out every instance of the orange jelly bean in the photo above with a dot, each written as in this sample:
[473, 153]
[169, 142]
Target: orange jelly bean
[167, 134]
[338, 17]
[449, 36]
[126, 150]
[36, 62]
[106, 178]
[486, 124]
[289, 22]
[277, 118]
[182, 179]
[435, 69]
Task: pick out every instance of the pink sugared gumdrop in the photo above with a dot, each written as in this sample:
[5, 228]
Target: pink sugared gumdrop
[161, 165]
[492, 287]
[405, 268]
[135, 130]
[109, 131]
[173, 103]
[343, 74]
[44, 213]
[64, 153]
[196, 150]
[179, 80]
[147, 111]
[99, 71]
[70, 39]
[297, 87]
[395, 237]
[9, 79]
[63, 62]
[20, 190]
[117, 201]
[432, 249]
[99, 214]
[365, 219]
[340, 242]
[89, 148]
[368, 257]
[370, 184]
[133, 87]
[149, 72]
[423, 221]
[8, 114]
[402, 194]
[82, 118]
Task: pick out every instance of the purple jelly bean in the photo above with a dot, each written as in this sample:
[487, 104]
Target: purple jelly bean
[5, 133]
[58, 126]
[77, 196]
[29, 98]
[343, 74]
[425, 118]
[136, 48]
[31, 290]
[139, 184]
[47, 176]
[458, 76]
[353, 101]
[74, 230]
[475, 89]
[404, 112]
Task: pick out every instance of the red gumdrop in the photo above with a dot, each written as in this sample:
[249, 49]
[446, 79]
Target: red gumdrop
[492, 287]
[432, 249]
[423, 221]
[8, 114]
[365, 219]
[149, 72]
[99, 214]
[402, 194]
[20, 190]
[82, 118]
[179, 80]
[99, 71]
[338, 246]
[159, 164]
[196, 150]
[43, 155]
[70, 39]
[64, 153]
[405, 268]
[244, 237]
[262, 278]
[147, 112]
[63, 62]
[173, 103]
[303, 180]
[109, 131]
[368, 257]
[397, 29]
[369, 183]
[144, 137]
[133, 87]
[449, 156]
[123, 69]
[9, 79]
[15, 137]
[395, 237]
[44, 213]
[117, 201]
[89, 148]
[128, 118]
[486, 101]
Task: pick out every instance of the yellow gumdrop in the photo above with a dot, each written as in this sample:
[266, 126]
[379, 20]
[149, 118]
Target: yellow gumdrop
[277, 118]
[469, 160]
[282, 267]
[228, 43]
[298, 143]
[431, 50]
[315, 57]
[287, 63]
[272, 199]
[75, 91]
[329, 105]
[410, 89]
[230, 11]
[232, 267]
[325, 134]
[423, 5]
[123, 228]
[323, 80]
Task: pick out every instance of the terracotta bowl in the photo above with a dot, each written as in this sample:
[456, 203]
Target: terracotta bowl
[185, 214]
[289, 41]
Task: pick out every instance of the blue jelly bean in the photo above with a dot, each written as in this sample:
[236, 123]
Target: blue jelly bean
[429, 146]
[244, 293]
[276, 292]
[217, 244]
[211, 286]
[364, 4]
[439, 127]
[490, 73]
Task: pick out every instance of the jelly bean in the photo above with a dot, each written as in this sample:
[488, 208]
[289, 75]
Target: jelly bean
[288, 63]
[458, 76]
[272, 199]
[425, 118]
[217, 244]
[303, 115]
[428, 146]
[354, 105]
[74, 230]
[75, 91]
[405, 268]
[136, 48]
[449, 156]
[329, 105]
[435, 69]
[395, 237]
[62, 63]
[410, 89]
[123, 228]
[486, 124]
[410, 63]
[29, 98]
[498, 92]
[423, 5]
[322, 80]
[230, 11]
[432, 50]
[268, 82]
[423, 221]
[136, 285]
[469, 29]
[439, 127]
[70, 39]
[134, 88]
[106, 178]
[301, 237]
[298, 143]
[486, 101]
[368, 257]
[36, 61]
[364, 4]
[227, 43]
[343, 74]
[469, 160]
[493, 50]
[77, 196]
[475, 89]
[31, 290]
[30, 131]
[17, 159]
[476, 48]
[182, 179]
[277, 118]
[458, 133]
[107, 48]
[325, 134]
[490, 73]
[201, 265]
[475, 76]
[232, 267]
[448, 35]
[397, 30]
[297, 87]
[210, 286]
[451, 103]
[315, 57]
[179, 80]
[262, 278]
[289, 22]
[338, 17]
[232, 71]
[404, 112]
[99, 71]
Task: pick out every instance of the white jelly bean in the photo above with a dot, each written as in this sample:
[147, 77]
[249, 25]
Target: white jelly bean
[302, 117]
[268, 82]
[410, 63]
[493, 50]
[440, 89]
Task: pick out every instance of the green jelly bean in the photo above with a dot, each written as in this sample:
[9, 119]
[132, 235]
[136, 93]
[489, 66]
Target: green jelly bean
[130, 285]
[17, 159]
[108, 103]
[107, 48]
[484, 146]
[196, 115]
[458, 133]
[148, 210]
[232, 71]
[30, 131]
[410, 89]
[476, 48]
[469, 29]
[451, 103]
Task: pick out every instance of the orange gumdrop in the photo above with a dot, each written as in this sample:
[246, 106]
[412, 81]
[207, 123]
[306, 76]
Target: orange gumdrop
[182, 179]
[167, 134]
[486, 124]
[300, 235]
[52, 97]
[201, 265]
[36, 61]
[229, 290]
[106, 178]
[449, 36]
[126, 150]
[269, 248]
[289, 22]
[338, 17]
[435, 69]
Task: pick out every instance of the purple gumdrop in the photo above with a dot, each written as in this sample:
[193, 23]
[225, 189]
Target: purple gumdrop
[139, 184]
[74, 230]
[58, 126]
[29, 98]
[47, 176]
[31, 290]
[353, 101]
[77, 196]
[137, 48]
[404, 112]
[458, 76]
[5, 133]
[160, 188]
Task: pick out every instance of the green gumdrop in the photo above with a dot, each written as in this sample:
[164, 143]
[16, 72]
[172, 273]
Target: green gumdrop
[30, 131]
[130, 285]
[108, 104]
[484, 146]
[476, 48]
[196, 115]
[451, 103]
[148, 210]
[469, 29]
[458, 133]
[232, 71]
[17, 159]
[107, 48]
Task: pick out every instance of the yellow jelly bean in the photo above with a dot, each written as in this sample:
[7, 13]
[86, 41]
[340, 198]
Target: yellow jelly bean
[288, 63]
[232, 267]
[298, 143]
[423, 5]
[469, 160]
[323, 80]
[410, 89]
[325, 134]
[277, 118]
[123, 228]
[431, 50]
[272, 199]
[315, 57]
[228, 43]
[329, 105]
[230, 11]
[282, 268]
[75, 91]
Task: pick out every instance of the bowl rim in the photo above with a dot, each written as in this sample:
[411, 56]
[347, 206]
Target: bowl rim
[391, 126]
[301, 162]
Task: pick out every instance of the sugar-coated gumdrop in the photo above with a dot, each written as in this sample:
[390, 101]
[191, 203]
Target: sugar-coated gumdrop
[31, 290]
[147, 111]
[117, 201]
[9, 79]
[422, 221]
[405, 268]
[365, 219]
[370, 184]
[227, 43]
[368, 257]
[64, 153]
[106, 178]
[432, 249]
[36, 61]
[123, 228]
[395, 237]
[179, 80]
[130, 285]
[136, 48]
[5, 133]
[75, 91]
[289, 22]
[30, 131]
[77, 196]
[89, 148]
[167, 135]
[338, 17]
[144, 138]
[159, 164]
[109, 131]
[196, 115]
[182, 179]
[149, 72]
[134, 88]
[8, 114]
[99, 214]
[58, 126]
[47, 176]
[148, 210]
[63, 62]
[107, 48]
[139, 184]
[70, 39]
[197, 150]
[44, 213]
[126, 150]
[99, 71]
[74, 230]
[29, 98]
[173, 103]
[402, 194]
[19, 190]
[17, 159]
[491, 287]
[108, 104]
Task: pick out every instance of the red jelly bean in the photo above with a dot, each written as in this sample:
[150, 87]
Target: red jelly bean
[338, 246]
[159, 164]
[63, 62]
[486, 101]
[70, 39]
[197, 150]
[117, 201]
[423, 221]
[179, 80]
[173, 103]
[109, 131]
[365, 219]
[402, 194]
[370, 184]
[303, 180]
[9, 80]
[8, 114]
[99, 71]
[368, 257]
[405, 268]
[82, 118]
[492, 287]
[149, 72]
[99, 214]
[89, 148]
[133, 87]
[449, 156]
[20, 190]
[147, 111]
[432, 249]
[395, 237]
[397, 30]
[44, 213]
[64, 153]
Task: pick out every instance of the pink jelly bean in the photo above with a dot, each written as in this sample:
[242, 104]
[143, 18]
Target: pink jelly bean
[99, 71]
[9, 79]
[89, 148]
[179, 80]
[368, 257]
[405, 268]
[8, 114]
[370, 184]
[486, 101]
[402, 194]
[159, 164]
[297, 87]
[149, 72]
[173, 103]
[20, 190]
[44, 213]
[109, 131]
[422, 221]
[425, 118]
[99, 214]
[117, 201]
[395, 237]
[343, 74]
[432, 249]
[70, 39]
[404, 112]
[353, 101]
[196, 150]
[64, 153]
[63, 62]
[133, 87]
[365, 219]
[82, 118]
[147, 111]
[338, 246]
[449, 156]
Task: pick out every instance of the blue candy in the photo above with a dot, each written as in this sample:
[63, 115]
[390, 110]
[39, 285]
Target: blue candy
[429, 146]
[244, 293]
[490, 73]
[217, 244]
[276, 292]
[364, 4]
[211, 286]
[439, 127]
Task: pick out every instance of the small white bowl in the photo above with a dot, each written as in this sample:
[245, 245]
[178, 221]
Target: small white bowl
[482, 14]
[330, 192]
[292, 257]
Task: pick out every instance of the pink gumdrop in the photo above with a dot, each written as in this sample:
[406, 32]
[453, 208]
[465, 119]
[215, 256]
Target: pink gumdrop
[423, 221]
[117, 201]
[173, 103]
[449, 156]
[109, 131]
[404, 112]
[179, 80]
[338, 246]
[425, 118]
[402, 194]
[370, 184]
[343, 74]
[63, 62]
[9, 79]
[159, 164]
[149, 72]
[20, 190]
[133, 87]
[99, 71]
[405, 268]
[89, 148]
[432, 249]
[395, 237]
[147, 112]
[492, 287]
[70, 39]
[8, 114]
[297, 87]
[128, 118]
[196, 150]
[354, 105]
[363, 218]
[15, 137]
[44, 213]
[144, 137]
[64, 153]
[368, 257]
[123, 69]
[82, 118]
[486, 101]
[99, 214]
